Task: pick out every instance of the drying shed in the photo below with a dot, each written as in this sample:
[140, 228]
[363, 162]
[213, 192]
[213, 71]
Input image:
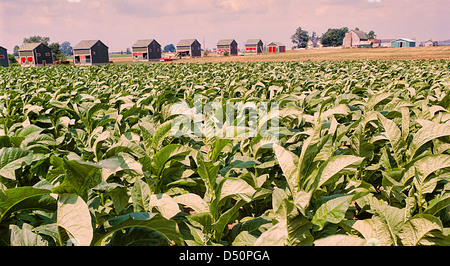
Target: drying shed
[146, 50]
[90, 52]
[403, 42]
[254, 46]
[189, 48]
[35, 54]
[229, 45]
[276, 47]
[4, 60]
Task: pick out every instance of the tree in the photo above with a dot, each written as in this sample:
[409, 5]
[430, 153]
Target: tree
[12, 60]
[57, 53]
[169, 48]
[66, 48]
[16, 50]
[37, 39]
[300, 38]
[371, 35]
[334, 37]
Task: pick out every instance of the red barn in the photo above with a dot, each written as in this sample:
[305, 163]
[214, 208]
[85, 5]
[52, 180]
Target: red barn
[276, 47]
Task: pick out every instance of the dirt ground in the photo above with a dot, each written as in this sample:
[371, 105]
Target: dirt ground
[327, 54]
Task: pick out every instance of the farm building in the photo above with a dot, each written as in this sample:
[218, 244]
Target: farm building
[90, 52]
[314, 43]
[4, 60]
[254, 46]
[402, 42]
[146, 50]
[430, 43]
[189, 48]
[386, 42]
[276, 47]
[35, 54]
[353, 38]
[229, 45]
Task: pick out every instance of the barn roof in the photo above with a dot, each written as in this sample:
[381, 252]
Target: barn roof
[186, 42]
[225, 42]
[143, 43]
[403, 39]
[29, 46]
[276, 44]
[86, 44]
[252, 41]
[360, 34]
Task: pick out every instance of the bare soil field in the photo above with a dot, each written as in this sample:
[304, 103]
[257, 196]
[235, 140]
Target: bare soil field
[412, 53]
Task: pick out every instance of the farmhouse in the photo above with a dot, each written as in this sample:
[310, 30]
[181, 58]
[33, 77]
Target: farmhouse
[353, 38]
[189, 48]
[35, 54]
[276, 47]
[229, 46]
[403, 42]
[430, 43]
[4, 60]
[146, 50]
[90, 52]
[254, 46]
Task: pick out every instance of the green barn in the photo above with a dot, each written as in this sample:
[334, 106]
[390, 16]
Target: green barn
[402, 42]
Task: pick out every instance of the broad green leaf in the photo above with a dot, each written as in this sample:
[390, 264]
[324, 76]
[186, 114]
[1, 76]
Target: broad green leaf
[219, 144]
[79, 178]
[73, 215]
[193, 201]
[424, 167]
[140, 193]
[392, 217]
[288, 163]
[336, 164]
[429, 131]
[25, 236]
[393, 133]
[167, 206]
[208, 172]
[437, 204]
[153, 221]
[374, 228]
[167, 153]
[416, 228]
[12, 159]
[13, 196]
[275, 236]
[340, 240]
[332, 211]
[122, 162]
[236, 187]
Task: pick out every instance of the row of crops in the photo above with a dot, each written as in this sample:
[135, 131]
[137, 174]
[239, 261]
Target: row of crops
[355, 153]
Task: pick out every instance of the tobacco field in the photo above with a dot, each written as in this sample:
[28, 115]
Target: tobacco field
[346, 153]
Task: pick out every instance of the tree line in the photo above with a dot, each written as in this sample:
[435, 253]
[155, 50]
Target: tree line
[331, 38]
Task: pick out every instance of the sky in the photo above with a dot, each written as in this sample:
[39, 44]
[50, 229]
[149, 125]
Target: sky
[119, 23]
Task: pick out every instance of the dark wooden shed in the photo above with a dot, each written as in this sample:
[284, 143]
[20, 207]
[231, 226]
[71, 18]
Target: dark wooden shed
[255, 46]
[90, 52]
[4, 60]
[35, 54]
[189, 48]
[146, 50]
[229, 45]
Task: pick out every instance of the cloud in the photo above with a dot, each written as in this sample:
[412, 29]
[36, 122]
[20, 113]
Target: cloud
[121, 22]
